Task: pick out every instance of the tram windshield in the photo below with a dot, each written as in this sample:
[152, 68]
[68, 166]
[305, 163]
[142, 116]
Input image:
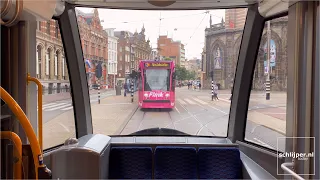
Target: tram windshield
[157, 79]
[204, 46]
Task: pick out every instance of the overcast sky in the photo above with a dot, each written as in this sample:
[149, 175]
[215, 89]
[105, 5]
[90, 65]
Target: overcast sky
[189, 25]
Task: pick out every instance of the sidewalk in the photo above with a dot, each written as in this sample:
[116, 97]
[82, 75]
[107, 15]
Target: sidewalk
[108, 118]
[66, 95]
[273, 118]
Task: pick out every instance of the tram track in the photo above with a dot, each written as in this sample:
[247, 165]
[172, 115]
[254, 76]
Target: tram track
[162, 118]
[195, 117]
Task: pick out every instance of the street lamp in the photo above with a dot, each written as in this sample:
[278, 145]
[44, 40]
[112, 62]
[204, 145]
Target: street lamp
[174, 30]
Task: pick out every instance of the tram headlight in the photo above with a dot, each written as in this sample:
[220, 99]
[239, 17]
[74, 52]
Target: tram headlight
[145, 95]
[167, 95]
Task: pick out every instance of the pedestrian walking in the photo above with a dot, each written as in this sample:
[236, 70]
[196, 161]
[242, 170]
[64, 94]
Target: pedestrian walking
[199, 86]
[215, 92]
[125, 87]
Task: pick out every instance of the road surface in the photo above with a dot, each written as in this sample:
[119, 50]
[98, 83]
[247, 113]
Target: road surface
[196, 114]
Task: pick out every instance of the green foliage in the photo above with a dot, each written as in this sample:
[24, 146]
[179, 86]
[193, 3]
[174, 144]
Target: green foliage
[183, 74]
[192, 75]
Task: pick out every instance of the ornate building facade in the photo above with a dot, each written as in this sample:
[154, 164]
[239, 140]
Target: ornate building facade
[222, 49]
[51, 66]
[94, 42]
[141, 47]
[131, 49]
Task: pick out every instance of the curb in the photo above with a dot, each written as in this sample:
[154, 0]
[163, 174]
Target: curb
[280, 132]
[124, 124]
[225, 100]
[47, 102]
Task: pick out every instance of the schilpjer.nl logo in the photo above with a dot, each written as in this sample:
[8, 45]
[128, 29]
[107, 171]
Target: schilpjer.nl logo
[299, 156]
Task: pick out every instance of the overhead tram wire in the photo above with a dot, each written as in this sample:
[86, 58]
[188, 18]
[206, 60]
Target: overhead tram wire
[127, 22]
[158, 49]
[206, 13]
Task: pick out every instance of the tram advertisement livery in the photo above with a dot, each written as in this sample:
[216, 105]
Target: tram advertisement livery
[157, 64]
[157, 84]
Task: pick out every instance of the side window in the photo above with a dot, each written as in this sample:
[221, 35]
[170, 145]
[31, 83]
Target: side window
[266, 119]
[52, 71]
[173, 83]
[139, 82]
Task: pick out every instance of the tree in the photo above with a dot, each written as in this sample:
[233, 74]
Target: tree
[167, 59]
[191, 75]
[181, 73]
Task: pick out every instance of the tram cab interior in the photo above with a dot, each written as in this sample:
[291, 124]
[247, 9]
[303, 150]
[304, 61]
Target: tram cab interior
[157, 153]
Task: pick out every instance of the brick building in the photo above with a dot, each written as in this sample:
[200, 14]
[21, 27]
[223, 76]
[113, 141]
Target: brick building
[141, 47]
[124, 52]
[235, 18]
[51, 68]
[169, 49]
[94, 42]
[131, 49]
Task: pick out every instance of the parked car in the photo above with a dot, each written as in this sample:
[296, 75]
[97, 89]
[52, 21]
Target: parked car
[95, 86]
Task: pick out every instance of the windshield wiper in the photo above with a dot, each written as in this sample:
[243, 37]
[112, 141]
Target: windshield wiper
[159, 131]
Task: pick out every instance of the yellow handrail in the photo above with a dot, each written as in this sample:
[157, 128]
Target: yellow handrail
[17, 151]
[39, 108]
[5, 7]
[26, 125]
[19, 8]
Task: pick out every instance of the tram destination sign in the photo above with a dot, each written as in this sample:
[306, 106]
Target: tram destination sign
[157, 64]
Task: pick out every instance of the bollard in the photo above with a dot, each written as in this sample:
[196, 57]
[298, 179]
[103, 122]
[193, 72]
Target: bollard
[99, 91]
[268, 90]
[131, 90]
[211, 90]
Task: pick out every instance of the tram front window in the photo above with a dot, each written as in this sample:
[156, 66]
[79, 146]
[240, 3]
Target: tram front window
[157, 79]
[115, 41]
[119, 39]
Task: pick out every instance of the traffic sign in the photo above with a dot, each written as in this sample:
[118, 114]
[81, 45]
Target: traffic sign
[99, 70]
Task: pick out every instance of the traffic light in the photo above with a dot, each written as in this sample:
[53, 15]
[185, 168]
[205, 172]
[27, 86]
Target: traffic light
[99, 70]
[133, 74]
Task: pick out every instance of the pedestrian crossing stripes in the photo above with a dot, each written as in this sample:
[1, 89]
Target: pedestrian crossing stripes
[62, 106]
[192, 101]
[65, 106]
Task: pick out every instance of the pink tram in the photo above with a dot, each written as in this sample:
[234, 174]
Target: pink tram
[156, 85]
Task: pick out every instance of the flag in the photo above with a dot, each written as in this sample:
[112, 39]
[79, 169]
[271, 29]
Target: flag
[88, 63]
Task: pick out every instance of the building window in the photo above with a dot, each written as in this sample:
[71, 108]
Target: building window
[48, 27]
[56, 63]
[48, 62]
[39, 25]
[57, 30]
[38, 60]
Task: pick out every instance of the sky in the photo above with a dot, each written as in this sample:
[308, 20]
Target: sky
[185, 26]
